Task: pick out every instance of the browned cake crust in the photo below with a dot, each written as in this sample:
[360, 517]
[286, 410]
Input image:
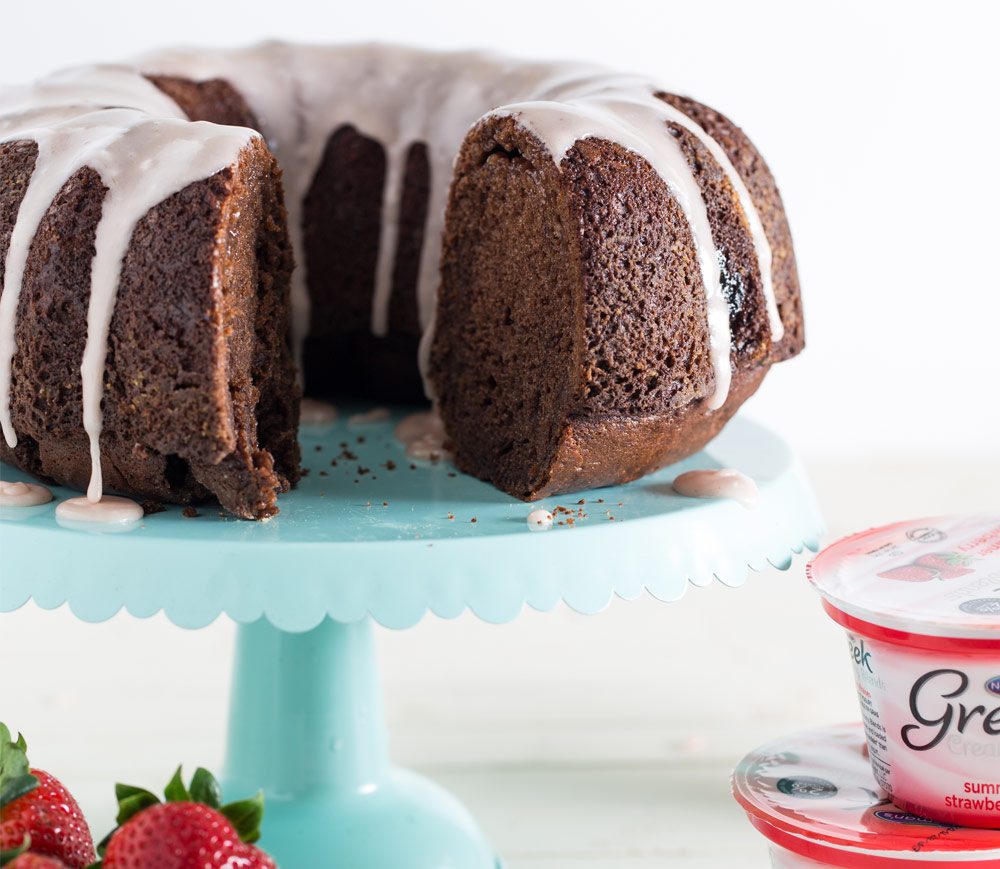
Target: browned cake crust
[200, 398]
[571, 348]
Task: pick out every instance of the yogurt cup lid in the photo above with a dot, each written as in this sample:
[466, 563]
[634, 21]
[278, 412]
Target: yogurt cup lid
[939, 577]
[816, 788]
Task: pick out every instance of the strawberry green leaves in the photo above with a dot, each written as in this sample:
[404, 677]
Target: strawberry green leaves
[175, 792]
[15, 775]
[205, 789]
[131, 801]
[244, 815]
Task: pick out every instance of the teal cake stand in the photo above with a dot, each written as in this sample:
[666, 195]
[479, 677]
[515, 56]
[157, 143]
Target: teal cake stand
[371, 536]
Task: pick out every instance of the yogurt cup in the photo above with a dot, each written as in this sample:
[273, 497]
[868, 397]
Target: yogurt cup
[920, 602]
[815, 799]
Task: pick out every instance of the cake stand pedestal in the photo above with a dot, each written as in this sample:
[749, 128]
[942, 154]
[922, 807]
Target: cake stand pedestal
[370, 536]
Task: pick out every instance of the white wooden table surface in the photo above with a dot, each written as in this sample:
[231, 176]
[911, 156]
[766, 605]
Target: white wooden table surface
[593, 742]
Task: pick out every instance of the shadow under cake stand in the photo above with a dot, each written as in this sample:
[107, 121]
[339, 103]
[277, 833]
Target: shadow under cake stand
[371, 536]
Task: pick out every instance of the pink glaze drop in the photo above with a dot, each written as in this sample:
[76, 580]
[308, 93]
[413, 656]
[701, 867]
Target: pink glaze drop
[23, 494]
[721, 483]
[370, 417]
[312, 411]
[110, 510]
[423, 435]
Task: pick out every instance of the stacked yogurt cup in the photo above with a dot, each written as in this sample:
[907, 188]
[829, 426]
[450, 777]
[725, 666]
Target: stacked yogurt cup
[918, 781]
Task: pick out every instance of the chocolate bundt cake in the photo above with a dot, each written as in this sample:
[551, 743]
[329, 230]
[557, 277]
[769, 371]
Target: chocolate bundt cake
[587, 274]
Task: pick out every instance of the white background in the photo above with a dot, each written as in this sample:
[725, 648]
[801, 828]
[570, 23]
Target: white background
[605, 741]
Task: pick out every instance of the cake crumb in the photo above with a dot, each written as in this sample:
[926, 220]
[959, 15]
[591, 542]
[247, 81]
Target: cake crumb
[385, 503]
[361, 439]
[390, 465]
[473, 520]
[452, 474]
[151, 507]
[600, 500]
[305, 472]
[323, 474]
[582, 501]
[318, 448]
[451, 517]
[413, 467]
[362, 470]
[333, 463]
[189, 513]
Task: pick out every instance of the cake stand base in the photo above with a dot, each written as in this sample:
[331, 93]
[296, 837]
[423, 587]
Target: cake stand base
[306, 725]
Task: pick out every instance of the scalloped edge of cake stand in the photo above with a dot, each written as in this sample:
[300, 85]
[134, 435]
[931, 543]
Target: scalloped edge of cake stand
[396, 583]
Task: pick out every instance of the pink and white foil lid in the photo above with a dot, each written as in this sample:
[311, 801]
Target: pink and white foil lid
[938, 577]
[815, 792]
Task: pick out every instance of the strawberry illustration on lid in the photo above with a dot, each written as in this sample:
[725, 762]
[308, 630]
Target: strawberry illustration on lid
[938, 577]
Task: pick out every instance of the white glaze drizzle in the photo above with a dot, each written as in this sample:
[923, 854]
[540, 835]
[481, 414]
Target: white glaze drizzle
[144, 150]
[23, 494]
[109, 510]
[719, 483]
[400, 96]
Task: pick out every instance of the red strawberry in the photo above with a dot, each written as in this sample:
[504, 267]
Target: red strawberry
[179, 835]
[949, 565]
[191, 829]
[34, 861]
[909, 573]
[36, 811]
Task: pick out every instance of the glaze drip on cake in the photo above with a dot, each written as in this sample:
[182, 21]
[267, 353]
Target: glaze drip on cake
[142, 154]
[626, 111]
